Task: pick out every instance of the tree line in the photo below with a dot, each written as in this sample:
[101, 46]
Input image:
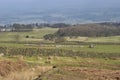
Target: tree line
[16, 27]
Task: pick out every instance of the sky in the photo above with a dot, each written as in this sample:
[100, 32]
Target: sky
[46, 4]
[7, 6]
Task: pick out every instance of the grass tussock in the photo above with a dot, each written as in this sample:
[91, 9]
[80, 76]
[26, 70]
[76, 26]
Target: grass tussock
[6, 67]
[29, 74]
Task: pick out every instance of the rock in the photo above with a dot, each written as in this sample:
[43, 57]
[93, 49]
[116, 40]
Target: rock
[1, 54]
[39, 58]
[91, 46]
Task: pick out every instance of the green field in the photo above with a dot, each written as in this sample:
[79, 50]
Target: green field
[74, 52]
[36, 40]
[111, 39]
[35, 35]
[115, 39]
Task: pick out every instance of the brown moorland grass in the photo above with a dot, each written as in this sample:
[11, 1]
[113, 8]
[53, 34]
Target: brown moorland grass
[28, 74]
[6, 67]
[81, 73]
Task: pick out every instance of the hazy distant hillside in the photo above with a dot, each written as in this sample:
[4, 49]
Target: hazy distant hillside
[52, 11]
[71, 16]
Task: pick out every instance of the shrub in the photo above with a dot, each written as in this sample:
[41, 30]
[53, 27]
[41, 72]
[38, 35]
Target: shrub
[27, 36]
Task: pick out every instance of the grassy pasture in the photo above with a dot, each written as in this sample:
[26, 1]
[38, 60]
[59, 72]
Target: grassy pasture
[113, 39]
[35, 35]
[97, 48]
[88, 57]
[70, 61]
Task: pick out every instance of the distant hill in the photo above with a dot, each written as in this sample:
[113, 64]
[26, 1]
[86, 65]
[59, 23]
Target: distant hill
[59, 11]
[67, 15]
[91, 30]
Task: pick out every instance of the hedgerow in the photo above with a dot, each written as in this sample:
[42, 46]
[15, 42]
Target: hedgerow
[54, 52]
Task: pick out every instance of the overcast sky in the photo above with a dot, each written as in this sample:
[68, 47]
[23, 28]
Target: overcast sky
[12, 5]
